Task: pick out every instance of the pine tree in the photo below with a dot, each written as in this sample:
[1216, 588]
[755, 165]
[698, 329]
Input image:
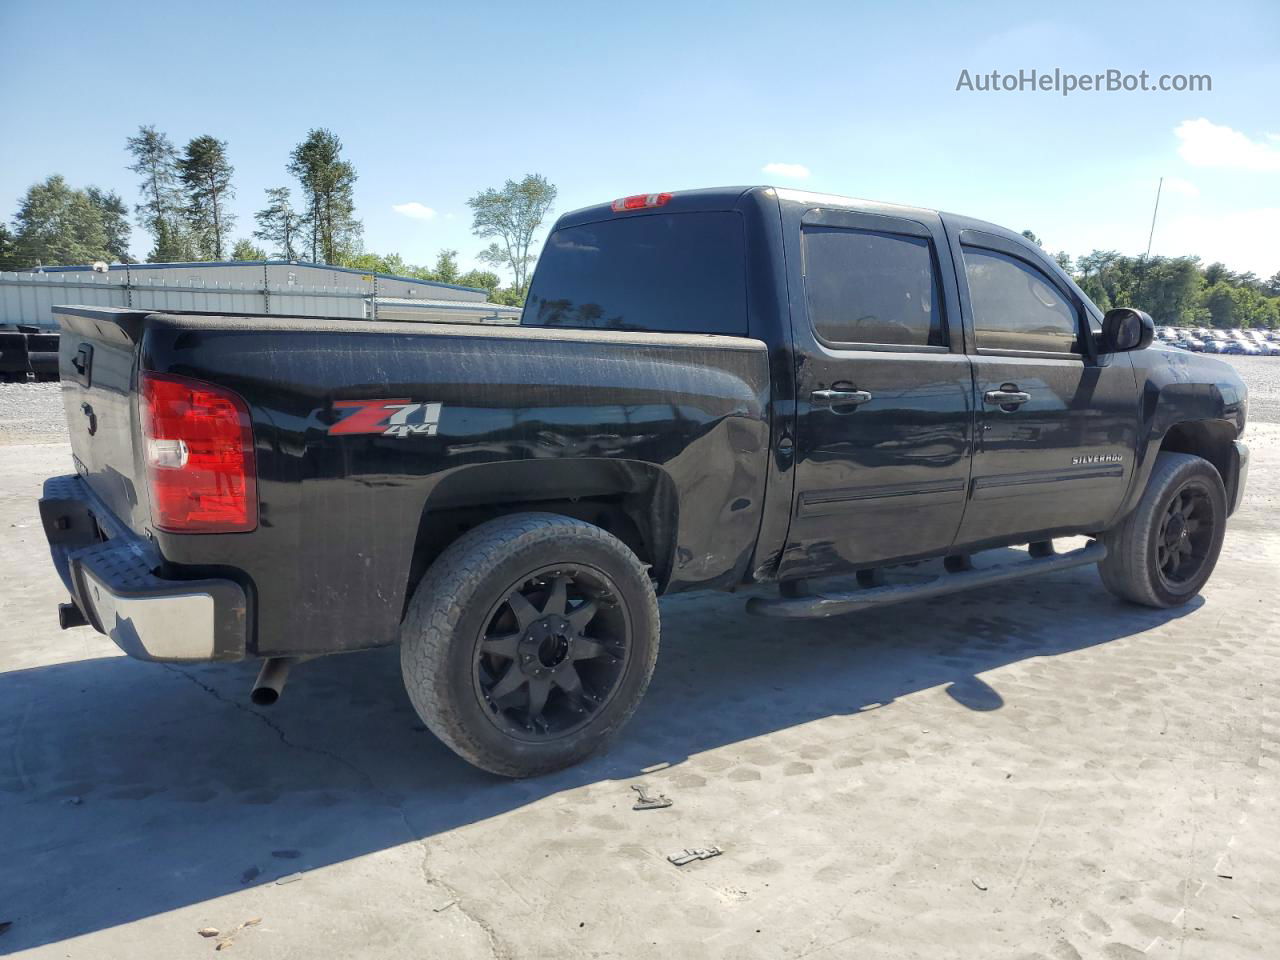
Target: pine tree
[160, 211]
[115, 222]
[279, 224]
[206, 173]
[328, 185]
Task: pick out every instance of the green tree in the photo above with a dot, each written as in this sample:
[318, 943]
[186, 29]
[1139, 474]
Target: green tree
[1170, 290]
[513, 215]
[1273, 285]
[58, 226]
[115, 222]
[279, 224]
[485, 280]
[376, 263]
[1032, 237]
[156, 161]
[205, 173]
[1220, 301]
[8, 250]
[446, 268]
[245, 250]
[1215, 273]
[1063, 259]
[328, 186]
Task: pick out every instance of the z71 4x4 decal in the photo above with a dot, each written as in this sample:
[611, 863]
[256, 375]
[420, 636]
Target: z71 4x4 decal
[389, 418]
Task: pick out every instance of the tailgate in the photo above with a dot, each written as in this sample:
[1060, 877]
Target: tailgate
[96, 363]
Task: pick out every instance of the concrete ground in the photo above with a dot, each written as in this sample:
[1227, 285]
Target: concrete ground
[1027, 771]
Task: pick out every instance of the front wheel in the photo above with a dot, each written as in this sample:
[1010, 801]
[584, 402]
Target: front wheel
[529, 642]
[1164, 551]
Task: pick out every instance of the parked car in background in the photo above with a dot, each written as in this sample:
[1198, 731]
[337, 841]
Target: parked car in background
[1233, 347]
[1270, 349]
[1213, 346]
[1251, 349]
[1196, 345]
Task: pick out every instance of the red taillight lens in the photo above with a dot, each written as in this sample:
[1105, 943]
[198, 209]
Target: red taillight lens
[640, 201]
[198, 442]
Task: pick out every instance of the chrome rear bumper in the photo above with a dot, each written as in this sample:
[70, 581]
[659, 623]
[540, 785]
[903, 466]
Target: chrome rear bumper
[110, 573]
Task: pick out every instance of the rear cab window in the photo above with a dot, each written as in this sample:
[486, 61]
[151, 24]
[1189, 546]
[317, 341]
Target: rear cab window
[668, 272]
[872, 287]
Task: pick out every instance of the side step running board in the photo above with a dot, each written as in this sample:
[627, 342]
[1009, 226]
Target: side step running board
[831, 604]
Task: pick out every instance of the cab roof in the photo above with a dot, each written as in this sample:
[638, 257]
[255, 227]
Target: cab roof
[729, 198]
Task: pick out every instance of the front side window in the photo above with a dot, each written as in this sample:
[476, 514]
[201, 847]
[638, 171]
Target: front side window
[679, 272]
[1016, 307]
[864, 286]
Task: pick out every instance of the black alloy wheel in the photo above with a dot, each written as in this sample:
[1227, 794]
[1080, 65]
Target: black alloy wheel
[1186, 535]
[553, 652]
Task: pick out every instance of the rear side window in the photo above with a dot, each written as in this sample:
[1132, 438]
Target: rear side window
[864, 286]
[1016, 307]
[675, 272]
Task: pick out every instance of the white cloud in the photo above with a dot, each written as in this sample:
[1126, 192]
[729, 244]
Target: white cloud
[1242, 239]
[792, 171]
[1207, 144]
[1184, 187]
[415, 210]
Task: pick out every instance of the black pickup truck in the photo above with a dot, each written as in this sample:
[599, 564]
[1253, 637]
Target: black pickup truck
[706, 389]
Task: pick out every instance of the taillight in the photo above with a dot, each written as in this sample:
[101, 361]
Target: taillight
[640, 201]
[198, 445]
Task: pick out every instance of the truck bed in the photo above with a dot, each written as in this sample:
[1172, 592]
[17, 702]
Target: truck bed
[341, 515]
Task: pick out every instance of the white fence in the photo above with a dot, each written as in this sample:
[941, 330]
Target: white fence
[31, 297]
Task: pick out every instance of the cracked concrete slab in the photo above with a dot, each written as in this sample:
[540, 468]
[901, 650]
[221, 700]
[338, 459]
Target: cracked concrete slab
[1039, 772]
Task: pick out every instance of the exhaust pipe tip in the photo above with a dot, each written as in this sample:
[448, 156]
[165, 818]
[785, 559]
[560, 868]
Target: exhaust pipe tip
[271, 679]
[263, 696]
[69, 616]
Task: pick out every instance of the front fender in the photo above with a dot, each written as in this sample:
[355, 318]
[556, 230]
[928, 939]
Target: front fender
[1190, 404]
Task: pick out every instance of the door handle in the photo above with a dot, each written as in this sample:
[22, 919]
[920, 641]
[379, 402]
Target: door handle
[1006, 398]
[839, 398]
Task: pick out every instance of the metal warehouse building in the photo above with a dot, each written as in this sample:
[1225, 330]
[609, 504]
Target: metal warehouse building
[274, 287]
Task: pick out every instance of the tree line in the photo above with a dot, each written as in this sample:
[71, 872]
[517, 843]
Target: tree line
[184, 198]
[1176, 291]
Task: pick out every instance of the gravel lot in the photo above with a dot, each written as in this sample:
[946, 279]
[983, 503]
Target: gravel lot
[1028, 772]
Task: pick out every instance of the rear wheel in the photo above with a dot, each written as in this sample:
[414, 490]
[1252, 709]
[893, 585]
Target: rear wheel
[529, 642]
[1164, 552]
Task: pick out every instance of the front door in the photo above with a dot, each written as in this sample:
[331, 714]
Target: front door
[884, 392]
[1057, 424]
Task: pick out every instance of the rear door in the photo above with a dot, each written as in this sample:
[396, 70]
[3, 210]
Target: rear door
[1057, 424]
[884, 397]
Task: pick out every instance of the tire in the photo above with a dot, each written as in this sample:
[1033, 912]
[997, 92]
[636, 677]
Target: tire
[1140, 565]
[503, 619]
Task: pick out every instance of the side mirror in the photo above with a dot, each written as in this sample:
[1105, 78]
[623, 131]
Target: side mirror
[1125, 328]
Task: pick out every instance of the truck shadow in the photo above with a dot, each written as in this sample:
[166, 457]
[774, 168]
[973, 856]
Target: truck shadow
[132, 789]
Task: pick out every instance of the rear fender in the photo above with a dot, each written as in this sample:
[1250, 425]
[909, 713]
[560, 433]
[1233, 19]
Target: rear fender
[633, 500]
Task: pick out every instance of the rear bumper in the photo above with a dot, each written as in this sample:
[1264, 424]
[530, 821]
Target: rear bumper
[110, 573]
[1240, 473]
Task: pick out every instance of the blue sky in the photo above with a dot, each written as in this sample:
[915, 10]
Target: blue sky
[435, 101]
